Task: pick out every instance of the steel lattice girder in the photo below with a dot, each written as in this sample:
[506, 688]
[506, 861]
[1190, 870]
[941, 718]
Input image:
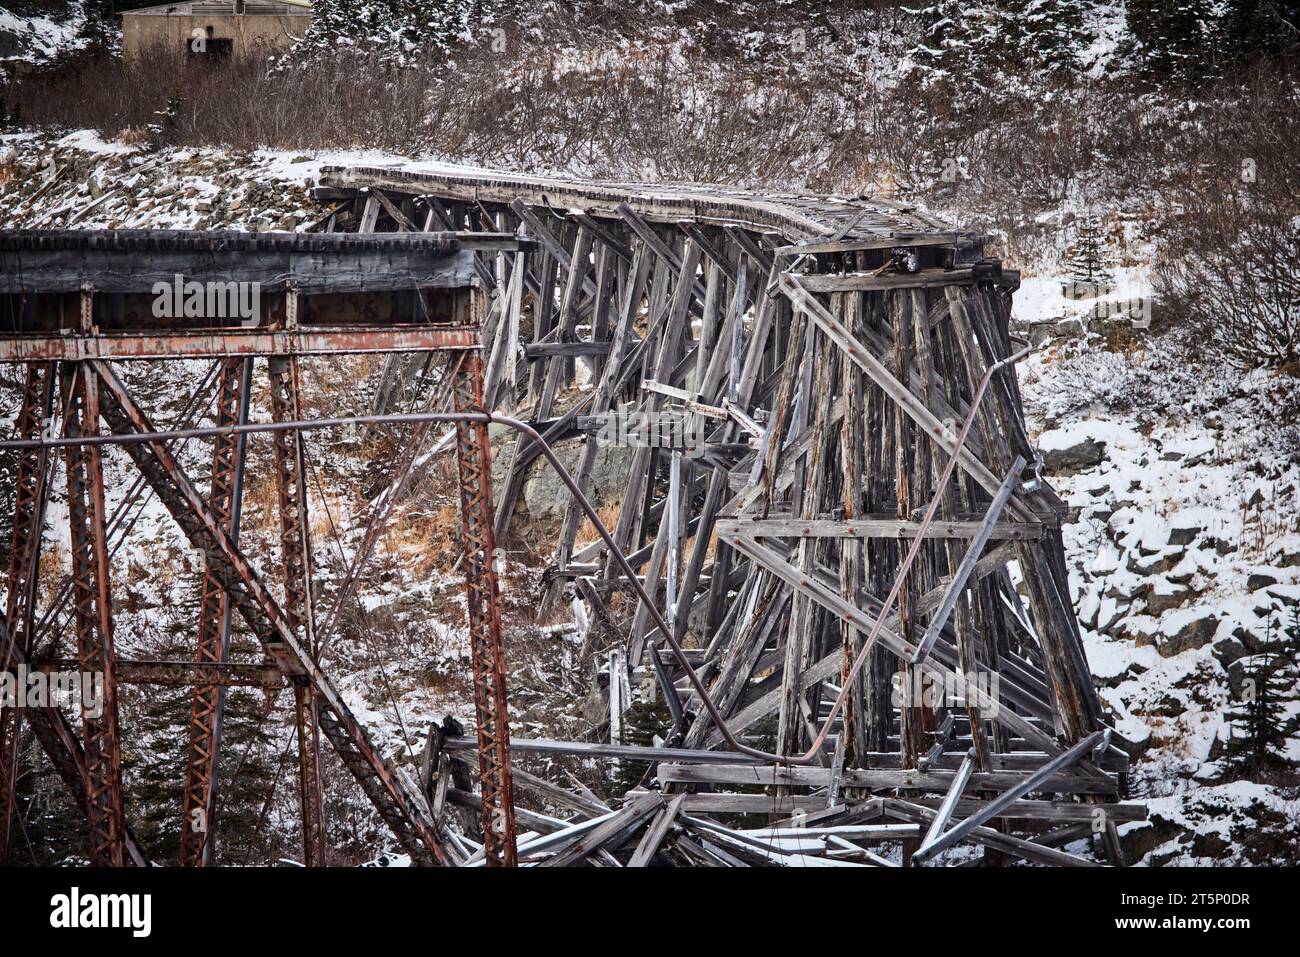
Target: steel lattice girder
[94, 621]
[59, 741]
[295, 556]
[29, 512]
[484, 602]
[124, 329]
[208, 701]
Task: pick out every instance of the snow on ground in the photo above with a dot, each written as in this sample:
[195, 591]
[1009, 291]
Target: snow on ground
[1184, 550]
[82, 180]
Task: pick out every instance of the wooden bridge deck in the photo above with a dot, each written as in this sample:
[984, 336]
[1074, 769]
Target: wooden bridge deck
[798, 218]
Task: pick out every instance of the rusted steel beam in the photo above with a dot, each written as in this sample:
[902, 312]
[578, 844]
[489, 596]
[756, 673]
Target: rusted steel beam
[473, 456]
[295, 558]
[235, 342]
[177, 674]
[24, 553]
[94, 621]
[207, 702]
[396, 801]
[10, 730]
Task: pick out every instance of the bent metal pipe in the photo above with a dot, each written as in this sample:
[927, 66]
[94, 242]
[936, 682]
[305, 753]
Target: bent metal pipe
[590, 511]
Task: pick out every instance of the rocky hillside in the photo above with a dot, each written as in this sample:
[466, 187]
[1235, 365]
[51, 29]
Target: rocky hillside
[43, 33]
[1184, 550]
[80, 180]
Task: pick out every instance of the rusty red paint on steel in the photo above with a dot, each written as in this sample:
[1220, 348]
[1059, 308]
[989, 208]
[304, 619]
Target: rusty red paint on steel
[299, 607]
[150, 345]
[94, 621]
[483, 600]
[207, 701]
[409, 822]
[28, 520]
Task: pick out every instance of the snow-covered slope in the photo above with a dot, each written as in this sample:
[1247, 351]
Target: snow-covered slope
[1184, 552]
[41, 33]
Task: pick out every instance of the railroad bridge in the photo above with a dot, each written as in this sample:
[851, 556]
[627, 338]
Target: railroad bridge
[833, 510]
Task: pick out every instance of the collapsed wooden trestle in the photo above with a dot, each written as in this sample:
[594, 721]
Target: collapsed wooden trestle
[805, 366]
[809, 370]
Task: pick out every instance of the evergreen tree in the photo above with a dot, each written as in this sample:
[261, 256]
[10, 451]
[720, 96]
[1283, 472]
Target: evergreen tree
[102, 29]
[1250, 29]
[974, 40]
[1175, 38]
[1186, 40]
[641, 723]
[1044, 33]
[1291, 643]
[1258, 738]
[399, 31]
[1088, 259]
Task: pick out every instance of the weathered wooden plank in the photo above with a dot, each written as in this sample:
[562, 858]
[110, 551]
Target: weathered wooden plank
[870, 282]
[962, 575]
[935, 781]
[1043, 778]
[876, 528]
[656, 833]
[608, 831]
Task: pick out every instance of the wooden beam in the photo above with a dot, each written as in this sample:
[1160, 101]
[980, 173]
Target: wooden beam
[217, 343]
[1042, 779]
[890, 528]
[934, 781]
[656, 832]
[963, 572]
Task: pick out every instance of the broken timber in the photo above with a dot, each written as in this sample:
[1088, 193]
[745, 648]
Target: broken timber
[787, 379]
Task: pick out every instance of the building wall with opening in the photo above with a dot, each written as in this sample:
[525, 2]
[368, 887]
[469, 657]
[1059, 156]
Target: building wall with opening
[214, 27]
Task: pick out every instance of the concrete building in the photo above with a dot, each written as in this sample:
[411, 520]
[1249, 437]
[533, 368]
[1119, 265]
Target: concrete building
[216, 28]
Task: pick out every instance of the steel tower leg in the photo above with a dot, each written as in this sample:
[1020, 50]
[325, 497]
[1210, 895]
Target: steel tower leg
[208, 702]
[295, 549]
[24, 554]
[94, 620]
[473, 457]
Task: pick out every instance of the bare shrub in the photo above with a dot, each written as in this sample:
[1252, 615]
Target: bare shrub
[1236, 279]
[1229, 259]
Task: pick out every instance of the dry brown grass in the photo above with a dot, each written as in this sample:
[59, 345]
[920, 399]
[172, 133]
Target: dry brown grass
[9, 169]
[134, 136]
[52, 566]
[261, 501]
[424, 542]
[608, 517]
